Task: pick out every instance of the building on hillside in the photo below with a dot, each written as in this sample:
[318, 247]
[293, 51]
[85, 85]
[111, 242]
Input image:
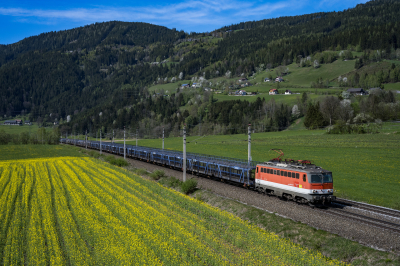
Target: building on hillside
[194, 85]
[184, 86]
[17, 122]
[278, 79]
[267, 80]
[357, 91]
[273, 91]
[243, 80]
[27, 122]
[241, 92]
[288, 92]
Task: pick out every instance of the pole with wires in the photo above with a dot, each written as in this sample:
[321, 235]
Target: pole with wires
[184, 154]
[249, 145]
[136, 137]
[124, 146]
[86, 138]
[163, 138]
[100, 141]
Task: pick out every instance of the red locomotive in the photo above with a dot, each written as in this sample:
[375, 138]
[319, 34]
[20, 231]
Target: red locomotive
[300, 181]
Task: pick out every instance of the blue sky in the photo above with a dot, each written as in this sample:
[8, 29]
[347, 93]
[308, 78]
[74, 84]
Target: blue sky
[24, 18]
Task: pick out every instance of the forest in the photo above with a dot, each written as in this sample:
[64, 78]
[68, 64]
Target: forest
[98, 76]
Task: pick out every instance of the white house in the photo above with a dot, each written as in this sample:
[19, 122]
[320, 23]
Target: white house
[288, 92]
[273, 91]
[267, 80]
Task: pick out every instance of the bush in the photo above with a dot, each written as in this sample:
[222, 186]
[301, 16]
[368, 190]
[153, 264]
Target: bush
[174, 182]
[189, 186]
[116, 161]
[4, 137]
[141, 171]
[157, 174]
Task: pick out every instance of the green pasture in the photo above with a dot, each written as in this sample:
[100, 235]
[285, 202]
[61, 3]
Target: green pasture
[280, 98]
[17, 152]
[18, 129]
[365, 167]
[392, 86]
[303, 76]
[170, 87]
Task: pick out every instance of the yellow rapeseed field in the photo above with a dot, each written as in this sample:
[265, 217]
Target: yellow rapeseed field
[79, 211]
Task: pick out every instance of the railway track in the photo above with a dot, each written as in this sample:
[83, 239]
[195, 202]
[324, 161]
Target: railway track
[377, 216]
[368, 207]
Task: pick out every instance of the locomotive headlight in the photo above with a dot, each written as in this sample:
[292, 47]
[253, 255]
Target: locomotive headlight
[314, 191]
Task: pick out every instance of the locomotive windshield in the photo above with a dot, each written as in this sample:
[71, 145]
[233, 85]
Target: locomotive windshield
[321, 178]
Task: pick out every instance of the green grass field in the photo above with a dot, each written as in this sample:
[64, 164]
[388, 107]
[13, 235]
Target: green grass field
[18, 129]
[16, 152]
[303, 76]
[281, 98]
[168, 88]
[365, 167]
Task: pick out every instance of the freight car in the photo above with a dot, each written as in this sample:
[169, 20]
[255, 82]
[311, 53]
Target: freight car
[300, 181]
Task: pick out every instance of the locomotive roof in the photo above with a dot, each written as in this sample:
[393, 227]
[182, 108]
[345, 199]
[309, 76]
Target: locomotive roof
[293, 166]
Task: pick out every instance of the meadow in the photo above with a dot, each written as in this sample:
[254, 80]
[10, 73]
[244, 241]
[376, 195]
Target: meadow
[365, 167]
[18, 129]
[81, 211]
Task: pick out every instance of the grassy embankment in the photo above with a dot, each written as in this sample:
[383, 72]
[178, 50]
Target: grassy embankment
[365, 167]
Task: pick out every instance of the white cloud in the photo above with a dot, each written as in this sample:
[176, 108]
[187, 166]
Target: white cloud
[192, 12]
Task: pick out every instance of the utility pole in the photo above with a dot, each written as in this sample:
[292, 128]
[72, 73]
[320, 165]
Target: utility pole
[124, 145]
[113, 136]
[163, 138]
[249, 145]
[136, 136]
[100, 141]
[184, 154]
[86, 138]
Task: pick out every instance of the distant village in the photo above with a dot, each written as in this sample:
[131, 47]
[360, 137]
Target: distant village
[20, 122]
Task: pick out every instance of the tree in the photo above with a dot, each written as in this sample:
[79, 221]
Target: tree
[328, 108]
[314, 118]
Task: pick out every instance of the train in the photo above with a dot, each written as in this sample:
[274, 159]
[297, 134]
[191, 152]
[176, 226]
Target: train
[300, 180]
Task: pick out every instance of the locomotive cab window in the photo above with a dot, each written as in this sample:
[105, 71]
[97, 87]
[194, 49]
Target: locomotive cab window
[316, 178]
[327, 177]
[304, 178]
[257, 169]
